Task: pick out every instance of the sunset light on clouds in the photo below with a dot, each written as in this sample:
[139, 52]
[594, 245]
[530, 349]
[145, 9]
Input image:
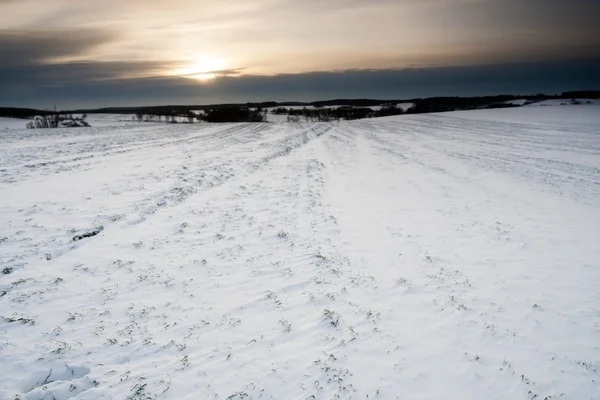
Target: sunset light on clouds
[209, 41]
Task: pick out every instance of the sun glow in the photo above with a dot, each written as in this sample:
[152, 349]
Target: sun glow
[203, 69]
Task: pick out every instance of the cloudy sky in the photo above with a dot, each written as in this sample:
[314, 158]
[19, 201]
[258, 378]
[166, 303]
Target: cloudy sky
[76, 53]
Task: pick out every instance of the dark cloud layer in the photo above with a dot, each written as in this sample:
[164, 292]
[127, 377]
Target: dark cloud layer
[556, 17]
[553, 77]
[26, 48]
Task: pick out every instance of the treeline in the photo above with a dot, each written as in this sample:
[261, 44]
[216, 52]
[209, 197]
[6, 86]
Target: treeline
[336, 114]
[22, 113]
[215, 114]
[325, 114]
[57, 120]
[234, 114]
[243, 111]
[172, 117]
[43, 119]
[581, 94]
[455, 101]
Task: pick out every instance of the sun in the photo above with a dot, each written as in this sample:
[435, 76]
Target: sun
[203, 68]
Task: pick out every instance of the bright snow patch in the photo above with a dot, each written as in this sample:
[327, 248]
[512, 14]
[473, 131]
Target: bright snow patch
[565, 102]
[449, 256]
[518, 102]
[12, 123]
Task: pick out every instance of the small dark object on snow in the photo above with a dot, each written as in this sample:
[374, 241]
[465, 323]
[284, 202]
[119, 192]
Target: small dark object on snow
[88, 234]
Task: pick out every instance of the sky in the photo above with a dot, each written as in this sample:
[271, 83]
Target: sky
[95, 53]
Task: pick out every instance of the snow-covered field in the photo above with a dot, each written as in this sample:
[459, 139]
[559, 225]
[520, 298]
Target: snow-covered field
[565, 102]
[449, 256]
[95, 120]
[11, 123]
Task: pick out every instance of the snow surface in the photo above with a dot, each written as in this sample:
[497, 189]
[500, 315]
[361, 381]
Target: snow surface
[518, 102]
[405, 106]
[276, 118]
[566, 118]
[12, 123]
[95, 120]
[564, 102]
[110, 119]
[450, 256]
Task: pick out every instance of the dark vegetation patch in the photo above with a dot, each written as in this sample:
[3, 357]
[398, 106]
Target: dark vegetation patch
[21, 320]
[88, 234]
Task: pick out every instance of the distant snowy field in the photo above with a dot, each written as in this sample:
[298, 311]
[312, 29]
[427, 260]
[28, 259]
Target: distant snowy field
[95, 120]
[441, 256]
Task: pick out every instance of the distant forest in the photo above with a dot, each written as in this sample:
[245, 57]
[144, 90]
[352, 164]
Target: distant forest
[319, 110]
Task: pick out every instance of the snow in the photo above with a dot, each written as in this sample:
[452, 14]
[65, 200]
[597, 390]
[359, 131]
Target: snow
[95, 120]
[12, 123]
[517, 102]
[584, 116]
[110, 119]
[564, 102]
[277, 118]
[106, 120]
[433, 256]
[405, 106]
